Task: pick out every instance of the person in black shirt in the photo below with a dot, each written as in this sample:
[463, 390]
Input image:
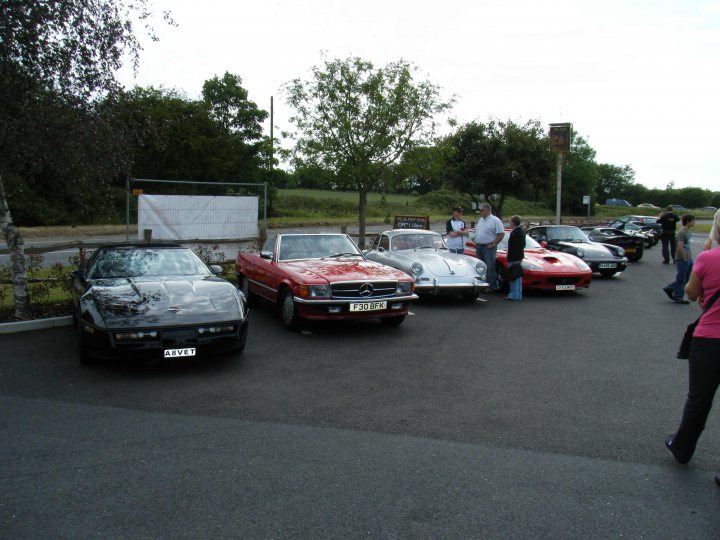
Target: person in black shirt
[515, 255]
[667, 221]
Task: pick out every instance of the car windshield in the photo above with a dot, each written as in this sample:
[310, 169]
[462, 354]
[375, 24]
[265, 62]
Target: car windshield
[530, 243]
[566, 234]
[316, 246]
[417, 241]
[125, 263]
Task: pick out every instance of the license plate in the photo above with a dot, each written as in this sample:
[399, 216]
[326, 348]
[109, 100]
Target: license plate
[176, 353]
[630, 250]
[368, 306]
[564, 287]
[606, 265]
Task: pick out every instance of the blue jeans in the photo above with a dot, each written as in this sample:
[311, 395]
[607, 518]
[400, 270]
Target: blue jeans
[461, 251]
[487, 255]
[682, 275]
[515, 286]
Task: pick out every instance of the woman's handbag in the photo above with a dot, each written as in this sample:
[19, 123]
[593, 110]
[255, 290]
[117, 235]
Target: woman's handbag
[515, 271]
[684, 350]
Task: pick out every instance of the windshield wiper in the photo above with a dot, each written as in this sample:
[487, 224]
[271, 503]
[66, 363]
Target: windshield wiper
[346, 254]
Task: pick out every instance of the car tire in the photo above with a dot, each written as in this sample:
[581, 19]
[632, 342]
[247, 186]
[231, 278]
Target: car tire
[288, 310]
[392, 321]
[244, 287]
[635, 258]
[501, 274]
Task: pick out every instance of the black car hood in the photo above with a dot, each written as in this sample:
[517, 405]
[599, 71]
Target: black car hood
[593, 250]
[160, 301]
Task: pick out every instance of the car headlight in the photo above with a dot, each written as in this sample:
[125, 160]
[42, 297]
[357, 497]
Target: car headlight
[481, 269]
[404, 287]
[582, 265]
[580, 252]
[216, 329]
[314, 291]
[531, 265]
[417, 268]
[130, 336]
[620, 252]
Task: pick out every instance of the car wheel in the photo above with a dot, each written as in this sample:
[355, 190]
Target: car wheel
[501, 274]
[392, 321]
[244, 287]
[648, 243]
[635, 258]
[608, 273]
[288, 311]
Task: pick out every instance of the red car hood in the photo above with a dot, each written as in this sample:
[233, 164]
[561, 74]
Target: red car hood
[551, 261]
[333, 270]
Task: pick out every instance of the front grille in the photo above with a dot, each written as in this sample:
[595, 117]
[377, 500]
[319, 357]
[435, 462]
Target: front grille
[178, 337]
[569, 280]
[364, 289]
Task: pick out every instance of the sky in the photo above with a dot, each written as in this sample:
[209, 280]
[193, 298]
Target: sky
[639, 80]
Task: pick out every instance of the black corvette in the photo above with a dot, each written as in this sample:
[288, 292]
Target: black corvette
[634, 245]
[154, 302]
[603, 258]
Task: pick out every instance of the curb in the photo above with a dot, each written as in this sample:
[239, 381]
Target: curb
[38, 324]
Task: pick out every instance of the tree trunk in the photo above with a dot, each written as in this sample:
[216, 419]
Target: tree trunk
[361, 215]
[17, 257]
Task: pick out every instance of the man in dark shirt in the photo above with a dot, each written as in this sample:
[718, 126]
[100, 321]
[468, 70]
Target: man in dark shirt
[667, 221]
[515, 255]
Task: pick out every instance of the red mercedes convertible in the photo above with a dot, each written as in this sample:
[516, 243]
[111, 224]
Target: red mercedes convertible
[543, 269]
[323, 276]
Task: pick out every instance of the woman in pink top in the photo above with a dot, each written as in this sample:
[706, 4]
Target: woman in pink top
[704, 362]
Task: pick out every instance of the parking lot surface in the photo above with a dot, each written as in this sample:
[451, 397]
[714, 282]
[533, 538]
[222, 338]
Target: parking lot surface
[542, 419]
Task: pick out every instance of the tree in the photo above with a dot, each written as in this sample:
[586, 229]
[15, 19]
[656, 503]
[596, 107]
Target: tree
[55, 56]
[184, 139]
[229, 104]
[358, 120]
[614, 182]
[499, 159]
[579, 175]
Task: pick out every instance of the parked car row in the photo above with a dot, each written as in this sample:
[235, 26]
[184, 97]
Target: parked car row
[163, 301]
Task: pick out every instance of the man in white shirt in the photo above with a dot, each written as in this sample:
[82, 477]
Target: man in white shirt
[489, 231]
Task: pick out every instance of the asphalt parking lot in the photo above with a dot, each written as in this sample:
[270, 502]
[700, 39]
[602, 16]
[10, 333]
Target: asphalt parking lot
[492, 419]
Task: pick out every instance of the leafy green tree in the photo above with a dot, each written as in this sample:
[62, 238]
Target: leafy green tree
[614, 182]
[184, 139]
[357, 120]
[500, 159]
[229, 104]
[579, 176]
[56, 58]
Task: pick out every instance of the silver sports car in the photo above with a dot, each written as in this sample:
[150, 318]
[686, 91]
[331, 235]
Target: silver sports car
[424, 255]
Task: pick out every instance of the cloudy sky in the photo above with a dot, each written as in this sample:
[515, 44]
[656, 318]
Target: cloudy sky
[639, 79]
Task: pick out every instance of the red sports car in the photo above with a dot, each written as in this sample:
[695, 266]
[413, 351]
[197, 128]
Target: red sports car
[324, 276]
[543, 269]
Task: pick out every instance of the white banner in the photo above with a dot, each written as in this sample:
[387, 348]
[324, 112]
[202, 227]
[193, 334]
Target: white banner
[191, 217]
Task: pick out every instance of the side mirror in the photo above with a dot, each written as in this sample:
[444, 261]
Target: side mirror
[216, 269]
[266, 255]
[544, 244]
[77, 274]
